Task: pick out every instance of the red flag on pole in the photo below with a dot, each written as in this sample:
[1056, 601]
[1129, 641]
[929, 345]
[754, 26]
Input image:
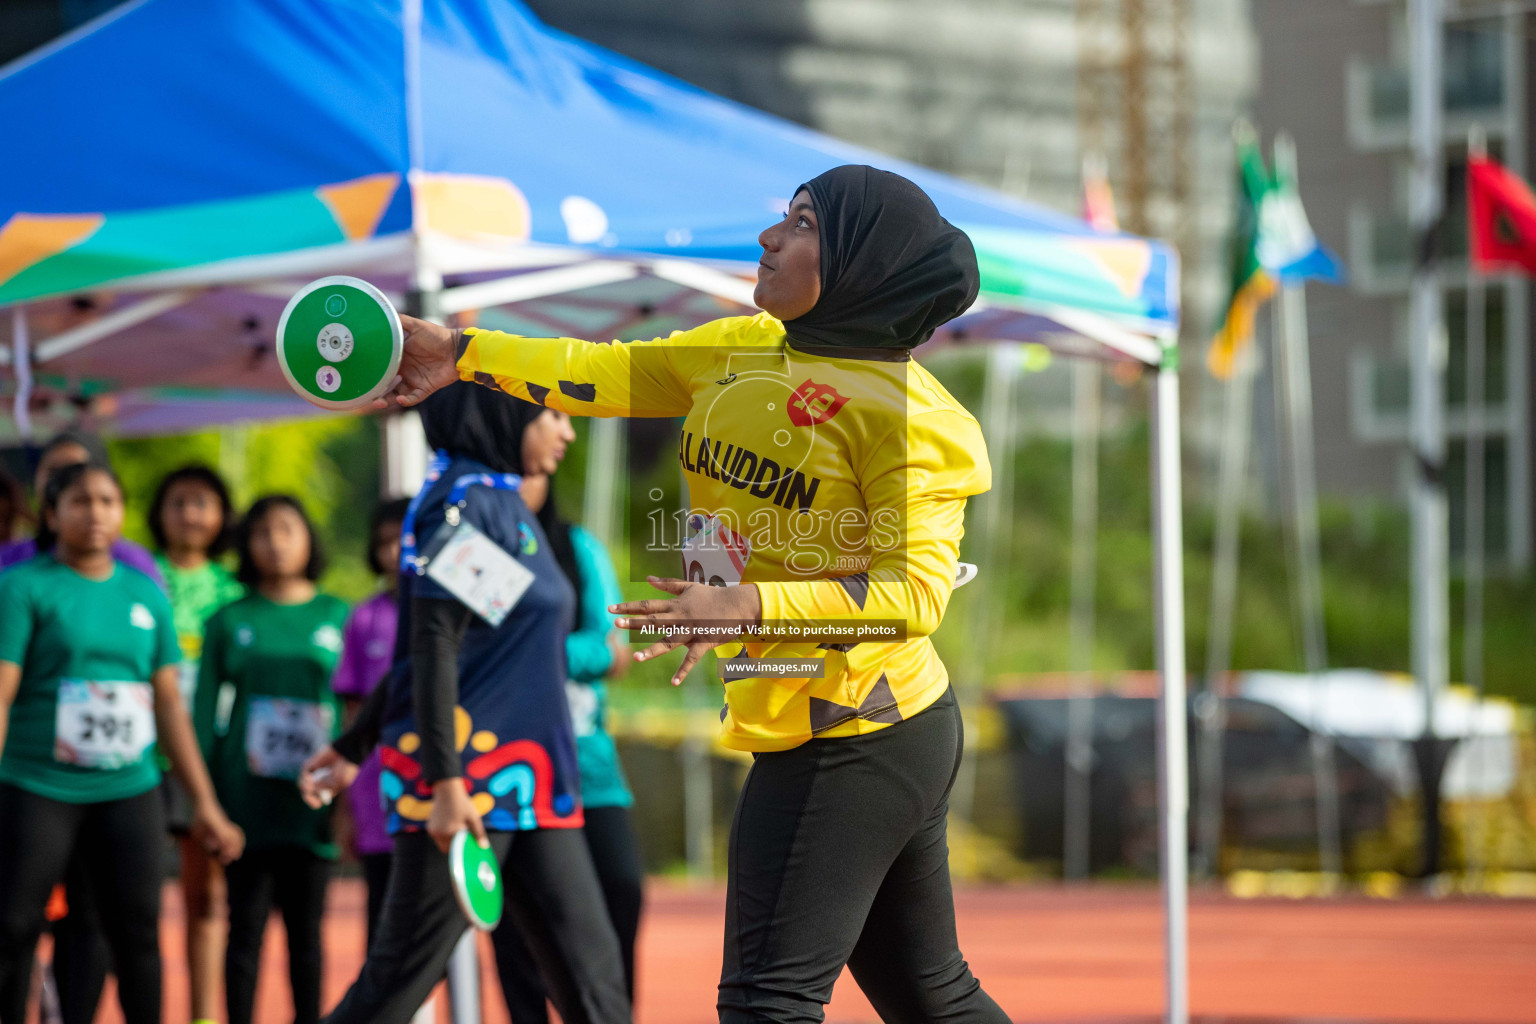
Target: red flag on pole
[1501, 218]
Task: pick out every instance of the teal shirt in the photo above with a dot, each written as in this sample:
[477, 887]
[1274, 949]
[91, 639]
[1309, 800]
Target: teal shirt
[59, 625]
[267, 655]
[588, 659]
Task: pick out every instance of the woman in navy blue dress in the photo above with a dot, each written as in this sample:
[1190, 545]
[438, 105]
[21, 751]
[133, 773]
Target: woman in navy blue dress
[475, 732]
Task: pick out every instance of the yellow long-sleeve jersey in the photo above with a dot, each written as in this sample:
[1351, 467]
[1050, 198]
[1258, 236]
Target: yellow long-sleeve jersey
[836, 485]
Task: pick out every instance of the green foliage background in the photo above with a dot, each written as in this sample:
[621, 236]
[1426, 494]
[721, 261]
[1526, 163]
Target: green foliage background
[330, 463]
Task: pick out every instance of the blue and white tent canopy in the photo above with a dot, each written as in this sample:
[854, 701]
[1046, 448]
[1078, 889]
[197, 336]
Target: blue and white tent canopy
[216, 154]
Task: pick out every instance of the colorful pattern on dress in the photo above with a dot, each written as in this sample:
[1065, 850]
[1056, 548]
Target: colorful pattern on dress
[512, 785]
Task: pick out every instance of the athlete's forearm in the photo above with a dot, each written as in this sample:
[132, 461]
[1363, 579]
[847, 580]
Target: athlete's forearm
[437, 632]
[913, 601]
[10, 681]
[362, 735]
[173, 730]
[575, 376]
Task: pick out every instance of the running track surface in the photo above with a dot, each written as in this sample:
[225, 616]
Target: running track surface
[1069, 954]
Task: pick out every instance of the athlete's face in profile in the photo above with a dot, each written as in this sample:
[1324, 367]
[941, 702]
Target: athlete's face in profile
[192, 516]
[89, 515]
[280, 544]
[789, 274]
[544, 442]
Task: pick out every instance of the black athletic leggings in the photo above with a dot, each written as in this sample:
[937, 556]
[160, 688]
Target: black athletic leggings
[121, 846]
[294, 879]
[376, 874]
[616, 857]
[838, 856]
[81, 956]
[552, 898]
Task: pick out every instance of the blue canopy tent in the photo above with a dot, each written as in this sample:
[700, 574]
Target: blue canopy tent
[176, 147]
[188, 164]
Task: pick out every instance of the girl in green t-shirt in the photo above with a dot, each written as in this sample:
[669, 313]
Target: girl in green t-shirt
[88, 687]
[276, 650]
[193, 523]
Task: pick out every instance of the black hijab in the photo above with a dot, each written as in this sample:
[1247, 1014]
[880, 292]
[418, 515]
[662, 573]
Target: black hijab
[892, 269]
[487, 426]
[478, 423]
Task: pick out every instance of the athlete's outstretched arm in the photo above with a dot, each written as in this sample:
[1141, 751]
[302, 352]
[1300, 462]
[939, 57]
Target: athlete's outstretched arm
[635, 378]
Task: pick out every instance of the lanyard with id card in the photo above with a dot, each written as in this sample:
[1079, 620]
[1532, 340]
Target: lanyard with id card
[461, 559]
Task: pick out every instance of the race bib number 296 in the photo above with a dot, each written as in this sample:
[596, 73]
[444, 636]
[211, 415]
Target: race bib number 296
[103, 724]
[281, 734]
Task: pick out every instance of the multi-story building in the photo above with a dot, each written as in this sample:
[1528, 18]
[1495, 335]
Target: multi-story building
[1008, 93]
[1333, 73]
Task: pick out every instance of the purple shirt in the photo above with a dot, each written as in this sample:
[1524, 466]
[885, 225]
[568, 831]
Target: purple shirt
[367, 651]
[124, 551]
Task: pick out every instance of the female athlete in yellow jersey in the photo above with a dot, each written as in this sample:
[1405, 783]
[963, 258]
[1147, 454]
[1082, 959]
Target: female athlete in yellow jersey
[827, 474]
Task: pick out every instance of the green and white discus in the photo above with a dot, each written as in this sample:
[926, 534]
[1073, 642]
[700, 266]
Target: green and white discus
[339, 342]
[476, 880]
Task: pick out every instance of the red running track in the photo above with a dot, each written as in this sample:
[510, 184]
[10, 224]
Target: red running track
[1062, 954]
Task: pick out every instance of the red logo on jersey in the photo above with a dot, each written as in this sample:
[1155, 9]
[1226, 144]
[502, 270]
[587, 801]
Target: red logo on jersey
[814, 403]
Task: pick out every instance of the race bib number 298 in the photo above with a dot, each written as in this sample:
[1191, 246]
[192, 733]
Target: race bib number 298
[103, 724]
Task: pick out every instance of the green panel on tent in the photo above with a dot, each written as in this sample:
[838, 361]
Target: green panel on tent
[143, 242]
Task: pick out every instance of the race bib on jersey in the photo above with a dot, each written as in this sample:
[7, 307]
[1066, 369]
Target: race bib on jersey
[282, 733]
[713, 553]
[475, 569]
[103, 724]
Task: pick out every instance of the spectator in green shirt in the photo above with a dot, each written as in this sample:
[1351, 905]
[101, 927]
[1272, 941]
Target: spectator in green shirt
[88, 687]
[193, 523]
[276, 649]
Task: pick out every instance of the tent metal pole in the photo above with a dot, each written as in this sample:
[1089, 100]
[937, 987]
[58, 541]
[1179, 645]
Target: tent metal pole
[424, 299]
[403, 458]
[694, 752]
[1430, 531]
[118, 320]
[1004, 363]
[1077, 818]
[536, 285]
[1474, 541]
[605, 464]
[21, 358]
[707, 280]
[1173, 741]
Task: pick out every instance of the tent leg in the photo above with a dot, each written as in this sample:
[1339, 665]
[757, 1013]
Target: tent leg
[402, 455]
[1077, 816]
[464, 980]
[425, 300]
[1173, 755]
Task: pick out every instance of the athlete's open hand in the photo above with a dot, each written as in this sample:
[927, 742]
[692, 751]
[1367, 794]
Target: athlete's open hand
[427, 363]
[697, 616]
